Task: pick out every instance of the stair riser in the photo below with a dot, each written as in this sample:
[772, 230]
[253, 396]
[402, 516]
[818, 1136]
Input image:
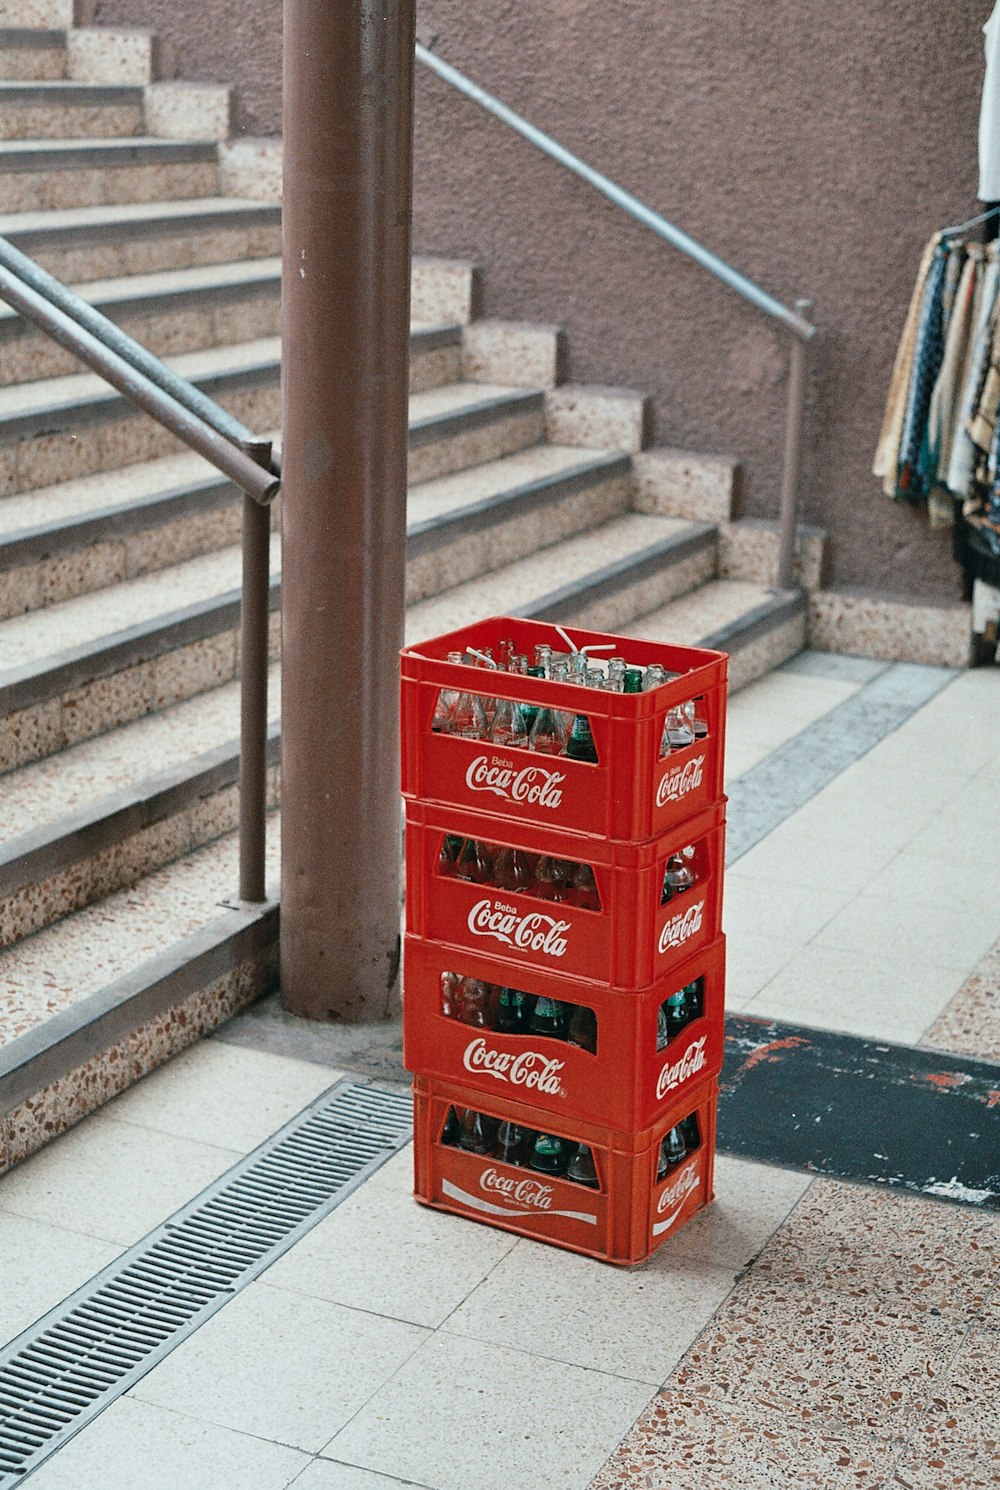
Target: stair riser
[501, 436]
[27, 64]
[79, 712]
[69, 122]
[636, 596]
[516, 537]
[109, 256]
[60, 189]
[93, 876]
[760, 656]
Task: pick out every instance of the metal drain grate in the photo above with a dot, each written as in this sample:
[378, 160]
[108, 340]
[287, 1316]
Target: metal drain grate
[67, 1368]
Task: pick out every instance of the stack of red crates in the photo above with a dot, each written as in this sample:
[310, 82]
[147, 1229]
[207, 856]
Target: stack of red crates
[626, 817]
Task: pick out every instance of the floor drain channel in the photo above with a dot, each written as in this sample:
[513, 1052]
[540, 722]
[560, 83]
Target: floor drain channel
[67, 1368]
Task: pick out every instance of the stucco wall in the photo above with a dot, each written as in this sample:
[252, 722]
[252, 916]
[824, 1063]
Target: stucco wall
[815, 147]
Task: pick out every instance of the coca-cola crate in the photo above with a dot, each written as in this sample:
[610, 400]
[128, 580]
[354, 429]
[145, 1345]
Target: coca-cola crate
[632, 941]
[627, 1083]
[632, 794]
[632, 1212]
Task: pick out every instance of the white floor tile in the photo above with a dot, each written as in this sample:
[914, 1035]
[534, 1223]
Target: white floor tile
[878, 995]
[479, 1417]
[282, 1366]
[39, 1266]
[222, 1094]
[751, 963]
[635, 1323]
[111, 1180]
[939, 934]
[751, 1202]
[133, 1446]
[778, 910]
[912, 879]
[383, 1252]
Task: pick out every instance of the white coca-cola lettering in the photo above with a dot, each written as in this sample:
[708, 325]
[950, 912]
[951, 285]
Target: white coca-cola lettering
[533, 932]
[678, 1192]
[531, 784]
[680, 780]
[680, 928]
[527, 1068]
[690, 1063]
[530, 1192]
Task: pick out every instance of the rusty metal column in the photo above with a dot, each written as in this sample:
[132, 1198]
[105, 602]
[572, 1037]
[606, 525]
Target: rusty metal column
[348, 104]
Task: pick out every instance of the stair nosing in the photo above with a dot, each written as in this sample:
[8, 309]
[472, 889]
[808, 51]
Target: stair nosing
[144, 224]
[34, 1060]
[63, 93]
[85, 831]
[41, 39]
[622, 573]
[22, 156]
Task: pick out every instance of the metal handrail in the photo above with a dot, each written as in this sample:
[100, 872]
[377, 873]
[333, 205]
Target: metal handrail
[793, 320]
[229, 446]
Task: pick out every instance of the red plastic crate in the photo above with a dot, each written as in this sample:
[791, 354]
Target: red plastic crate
[627, 1084]
[624, 1221]
[631, 795]
[630, 943]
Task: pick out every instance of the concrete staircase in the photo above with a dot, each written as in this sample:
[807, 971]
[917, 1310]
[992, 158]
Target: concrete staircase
[120, 565]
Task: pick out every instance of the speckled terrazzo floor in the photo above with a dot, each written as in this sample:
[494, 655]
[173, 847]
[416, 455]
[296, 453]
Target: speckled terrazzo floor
[800, 1332]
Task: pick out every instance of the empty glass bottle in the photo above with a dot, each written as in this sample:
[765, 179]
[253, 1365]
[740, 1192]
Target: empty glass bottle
[472, 1134]
[582, 1029]
[673, 1150]
[512, 871]
[469, 719]
[475, 863]
[512, 1144]
[585, 891]
[474, 1003]
[581, 1168]
[509, 727]
[512, 1012]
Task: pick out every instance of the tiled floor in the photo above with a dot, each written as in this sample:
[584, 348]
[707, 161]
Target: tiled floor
[799, 1332]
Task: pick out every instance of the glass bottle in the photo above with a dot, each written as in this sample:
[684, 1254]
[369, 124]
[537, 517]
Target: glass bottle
[452, 1128]
[653, 677]
[677, 731]
[673, 1150]
[662, 1028]
[472, 1134]
[633, 680]
[474, 1003]
[543, 658]
[451, 848]
[586, 894]
[512, 871]
[550, 879]
[549, 1019]
[689, 1129]
[512, 1012]
[444, 708]
[582, 1031]
[548, 733]
[475, 863]
[580, 745]
[512, 1144]
[549, 1155]
[677, 1013]
[680, 873]
[469, 718]
[509, 727]
[581, 1168]
[451, 985]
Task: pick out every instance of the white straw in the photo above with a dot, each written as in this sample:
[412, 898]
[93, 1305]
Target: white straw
[483, 658]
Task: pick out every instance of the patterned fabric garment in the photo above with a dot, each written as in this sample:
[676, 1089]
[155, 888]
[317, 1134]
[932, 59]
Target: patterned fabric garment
[912, 477]
[959, 307]
[887, 452]
[962, 465]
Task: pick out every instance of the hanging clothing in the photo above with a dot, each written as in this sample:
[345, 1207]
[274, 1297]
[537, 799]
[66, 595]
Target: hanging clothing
[961, 465]
[887, 452]
[989, 114]
[947, 390]
[912, 473]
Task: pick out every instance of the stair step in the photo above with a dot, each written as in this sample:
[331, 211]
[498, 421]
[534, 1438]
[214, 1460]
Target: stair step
[450, 426]
[69, 540]
[758, 626]
[623, 568]
[60, 110]
[62, 173]
[175, 311]
[84, 243]
[32, 56]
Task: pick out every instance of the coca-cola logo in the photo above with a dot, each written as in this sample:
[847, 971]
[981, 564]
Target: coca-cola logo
[532, 785]
[517, 1191]
[682, 927]
[678, 1192]
[691, 1062]
[533, 932]
[680, 780]
[527, 1068]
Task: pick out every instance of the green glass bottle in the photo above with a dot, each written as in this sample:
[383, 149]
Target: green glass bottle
[580, 745]
[549, 1155]
[549, 1019]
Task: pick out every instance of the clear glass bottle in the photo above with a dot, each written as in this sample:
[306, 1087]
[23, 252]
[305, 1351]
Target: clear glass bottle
[509, 728]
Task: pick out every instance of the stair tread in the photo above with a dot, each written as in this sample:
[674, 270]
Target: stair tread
[105, 292]
[446, 494]
[509, 590]
[64, 963]
[687, 620]
[126, 213]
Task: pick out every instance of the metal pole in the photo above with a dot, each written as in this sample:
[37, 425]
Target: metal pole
[253, 689]
[797, 381]
[348, 103]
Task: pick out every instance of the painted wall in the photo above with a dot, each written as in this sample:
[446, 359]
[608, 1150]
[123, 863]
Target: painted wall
[815, 147]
